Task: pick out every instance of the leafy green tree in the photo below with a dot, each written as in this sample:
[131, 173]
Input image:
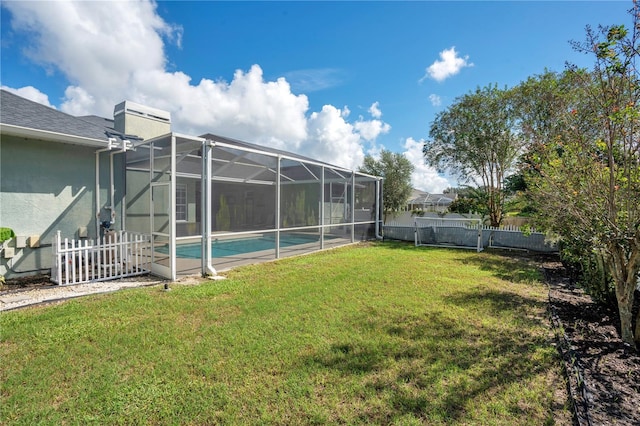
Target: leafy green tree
[464, 205]
[514, 184]
[396, 170]
[540, 105]
[470, 200]
[585, 168]
[474, 139]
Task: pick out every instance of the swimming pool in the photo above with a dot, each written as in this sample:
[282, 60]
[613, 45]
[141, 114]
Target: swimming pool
[233, 247]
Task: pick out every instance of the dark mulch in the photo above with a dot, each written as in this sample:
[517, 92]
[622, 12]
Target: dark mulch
[25, 283]
[603, 372]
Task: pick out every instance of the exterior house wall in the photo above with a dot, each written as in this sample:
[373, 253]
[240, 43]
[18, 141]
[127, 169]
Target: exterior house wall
[46, 187]
[138, 195]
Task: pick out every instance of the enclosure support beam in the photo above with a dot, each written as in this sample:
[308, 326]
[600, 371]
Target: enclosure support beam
[353, 207]
[278, 183]
[172, 211]
[322, 210]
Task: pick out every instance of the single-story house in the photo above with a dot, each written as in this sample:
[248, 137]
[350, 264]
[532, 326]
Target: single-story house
[206, 202]
[426, 202]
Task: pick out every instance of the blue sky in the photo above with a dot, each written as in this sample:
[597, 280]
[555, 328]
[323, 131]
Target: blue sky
[331, 80]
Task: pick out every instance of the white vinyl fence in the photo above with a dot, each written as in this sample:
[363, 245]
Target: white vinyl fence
[456, 235]
[117, 255]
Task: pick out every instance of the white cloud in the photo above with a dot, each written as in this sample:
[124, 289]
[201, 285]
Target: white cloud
[114, 51]
[332, 139]
[448, 65]
[374, 110]
[246, 108]
[77, 101]
[371, 129]
[435, 100]
[424, 177]
[86, 42]
[31, 93]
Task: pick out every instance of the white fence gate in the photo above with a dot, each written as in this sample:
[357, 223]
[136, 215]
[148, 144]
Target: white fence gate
[118, 254]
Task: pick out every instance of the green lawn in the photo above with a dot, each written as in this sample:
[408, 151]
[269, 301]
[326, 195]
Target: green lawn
[382, 333]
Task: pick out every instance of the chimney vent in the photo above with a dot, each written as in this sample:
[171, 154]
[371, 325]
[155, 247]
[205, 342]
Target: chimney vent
[145, 122]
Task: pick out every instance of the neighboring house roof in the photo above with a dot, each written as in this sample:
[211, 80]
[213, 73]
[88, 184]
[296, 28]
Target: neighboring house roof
[416, 194]
[17, 114]
[424, 198]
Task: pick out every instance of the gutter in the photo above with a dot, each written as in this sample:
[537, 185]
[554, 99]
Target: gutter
[45, 135]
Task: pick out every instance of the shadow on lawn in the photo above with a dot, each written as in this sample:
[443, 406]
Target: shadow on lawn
[432, 366]
[509, 267]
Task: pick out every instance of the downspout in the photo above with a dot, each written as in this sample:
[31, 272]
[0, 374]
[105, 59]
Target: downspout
[205, 200]
[123, 200]
[97, 194]
[379, 235]
[112, 188]
[98, 208]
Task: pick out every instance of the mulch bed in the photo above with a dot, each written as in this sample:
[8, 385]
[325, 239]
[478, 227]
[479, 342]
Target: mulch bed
[603, 373]
[25, 283]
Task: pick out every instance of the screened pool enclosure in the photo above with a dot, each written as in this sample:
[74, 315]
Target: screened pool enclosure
[211, 203]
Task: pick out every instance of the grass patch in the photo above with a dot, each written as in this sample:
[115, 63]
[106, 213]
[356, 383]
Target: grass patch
[378, 333]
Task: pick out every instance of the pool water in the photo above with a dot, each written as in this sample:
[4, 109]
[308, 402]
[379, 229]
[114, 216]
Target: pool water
[223, 248]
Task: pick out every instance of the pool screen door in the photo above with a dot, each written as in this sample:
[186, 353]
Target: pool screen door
[161, 228]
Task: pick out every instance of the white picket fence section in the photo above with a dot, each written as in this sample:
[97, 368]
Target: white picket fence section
[456, 233]
[462, 223]
[117, 255]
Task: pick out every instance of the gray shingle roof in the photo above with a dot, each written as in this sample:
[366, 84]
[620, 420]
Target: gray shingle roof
[18, 111]
[98, 121]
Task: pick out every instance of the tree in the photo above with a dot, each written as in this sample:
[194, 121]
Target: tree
[475, 140]
[473, 201]
[396, 170]
[540, 106]
[585, 176]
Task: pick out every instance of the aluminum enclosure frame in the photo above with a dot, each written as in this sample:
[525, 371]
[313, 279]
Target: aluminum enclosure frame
[345, 203]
